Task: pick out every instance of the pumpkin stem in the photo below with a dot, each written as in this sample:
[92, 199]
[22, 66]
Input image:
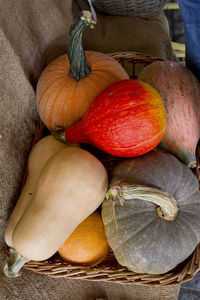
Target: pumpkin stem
[78, 63]
[14, 263]
[167, 205]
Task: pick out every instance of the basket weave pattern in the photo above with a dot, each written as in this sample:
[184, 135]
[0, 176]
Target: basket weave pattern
[109, 269]
[142, 8]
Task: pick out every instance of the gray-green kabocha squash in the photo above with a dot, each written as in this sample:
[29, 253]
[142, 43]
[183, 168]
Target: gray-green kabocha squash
[152, 213]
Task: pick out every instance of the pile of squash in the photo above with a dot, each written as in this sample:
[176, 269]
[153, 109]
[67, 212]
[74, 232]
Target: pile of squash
[147, 207]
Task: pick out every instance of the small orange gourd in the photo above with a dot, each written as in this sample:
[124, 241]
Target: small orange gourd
[70, 83]
[87, 244]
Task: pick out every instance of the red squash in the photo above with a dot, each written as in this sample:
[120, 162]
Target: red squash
[127, 119]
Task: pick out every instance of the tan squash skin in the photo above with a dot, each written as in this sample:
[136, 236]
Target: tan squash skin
[71, 186]
[38, 157]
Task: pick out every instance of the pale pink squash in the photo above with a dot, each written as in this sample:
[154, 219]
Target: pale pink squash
[180, 92]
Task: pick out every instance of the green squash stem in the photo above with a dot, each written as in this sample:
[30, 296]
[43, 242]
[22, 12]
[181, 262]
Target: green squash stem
[167, 205]
[78, 63]
[59, 134]
[14, 263]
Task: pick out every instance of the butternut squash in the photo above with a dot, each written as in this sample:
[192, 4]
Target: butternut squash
[38, 157]
[71, 186]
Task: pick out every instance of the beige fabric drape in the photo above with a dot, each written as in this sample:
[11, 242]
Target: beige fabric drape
[33, 33]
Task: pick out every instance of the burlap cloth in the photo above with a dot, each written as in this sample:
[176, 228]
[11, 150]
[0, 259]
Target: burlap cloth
[32, 33]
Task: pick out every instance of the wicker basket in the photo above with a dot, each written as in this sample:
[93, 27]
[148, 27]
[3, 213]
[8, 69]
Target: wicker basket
[141, 8]
[109, 269]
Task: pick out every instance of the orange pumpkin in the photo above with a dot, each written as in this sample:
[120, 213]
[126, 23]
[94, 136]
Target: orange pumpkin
[69, 84]
[87, 244]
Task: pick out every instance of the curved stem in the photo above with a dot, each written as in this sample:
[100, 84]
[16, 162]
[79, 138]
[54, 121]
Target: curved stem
[167, 205]
[59, 134]
[14, 263]
[78, 63]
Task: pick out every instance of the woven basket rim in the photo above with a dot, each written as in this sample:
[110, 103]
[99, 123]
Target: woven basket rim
[140, 8]
[56, 267]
